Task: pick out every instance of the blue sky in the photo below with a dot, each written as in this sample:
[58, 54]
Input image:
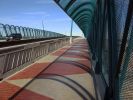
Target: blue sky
[30, 13]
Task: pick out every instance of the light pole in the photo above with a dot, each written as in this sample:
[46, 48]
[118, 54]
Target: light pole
[43, 28]
[71, 32]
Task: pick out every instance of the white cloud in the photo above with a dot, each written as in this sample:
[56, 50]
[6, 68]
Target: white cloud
[36, 13]
[45, 2]
[59, 20]
[16, 21]
[8, 19]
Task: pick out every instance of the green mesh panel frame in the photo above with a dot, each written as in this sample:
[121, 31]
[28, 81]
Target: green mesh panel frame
[81, 11]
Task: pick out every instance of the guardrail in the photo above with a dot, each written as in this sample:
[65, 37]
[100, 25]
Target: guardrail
[15, 57]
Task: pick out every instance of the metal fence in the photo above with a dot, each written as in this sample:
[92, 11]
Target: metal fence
[108, 28]
[15, 57]
[27, 33]
[112, 46]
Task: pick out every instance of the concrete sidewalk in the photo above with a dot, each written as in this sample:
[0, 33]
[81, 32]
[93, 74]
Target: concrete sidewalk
[65, 74]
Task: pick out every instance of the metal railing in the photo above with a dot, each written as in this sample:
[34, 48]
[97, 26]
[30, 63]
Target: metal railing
[16, 57]
[26, 32]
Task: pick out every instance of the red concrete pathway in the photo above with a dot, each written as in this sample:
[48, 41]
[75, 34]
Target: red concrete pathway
[62, 75]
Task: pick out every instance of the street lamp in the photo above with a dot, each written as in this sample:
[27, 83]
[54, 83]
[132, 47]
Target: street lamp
[71, 32]
[43, 28]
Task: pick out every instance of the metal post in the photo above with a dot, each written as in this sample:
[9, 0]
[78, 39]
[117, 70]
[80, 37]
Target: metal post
[71, 32]
[43, 28]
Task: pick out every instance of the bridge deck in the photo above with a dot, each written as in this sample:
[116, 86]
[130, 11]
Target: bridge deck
[65, 74]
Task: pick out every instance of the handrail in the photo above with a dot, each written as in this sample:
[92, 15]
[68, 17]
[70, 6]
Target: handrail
[13, 58]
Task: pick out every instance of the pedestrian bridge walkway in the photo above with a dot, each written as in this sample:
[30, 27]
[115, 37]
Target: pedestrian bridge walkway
[65, 74]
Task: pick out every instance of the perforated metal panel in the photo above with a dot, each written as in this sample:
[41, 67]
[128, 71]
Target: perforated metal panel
[103, 22]
[81, 11]
[126, 72]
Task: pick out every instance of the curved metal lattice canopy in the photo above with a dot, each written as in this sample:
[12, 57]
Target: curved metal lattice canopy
[81, 11]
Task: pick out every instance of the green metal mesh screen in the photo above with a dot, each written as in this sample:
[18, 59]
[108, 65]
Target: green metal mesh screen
[26, 32]
[81, 11]
[107, 26]
[126, 71]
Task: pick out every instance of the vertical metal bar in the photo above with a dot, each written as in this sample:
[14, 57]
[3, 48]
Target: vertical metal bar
[71, 32]
[43, 28]
[113, 52]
